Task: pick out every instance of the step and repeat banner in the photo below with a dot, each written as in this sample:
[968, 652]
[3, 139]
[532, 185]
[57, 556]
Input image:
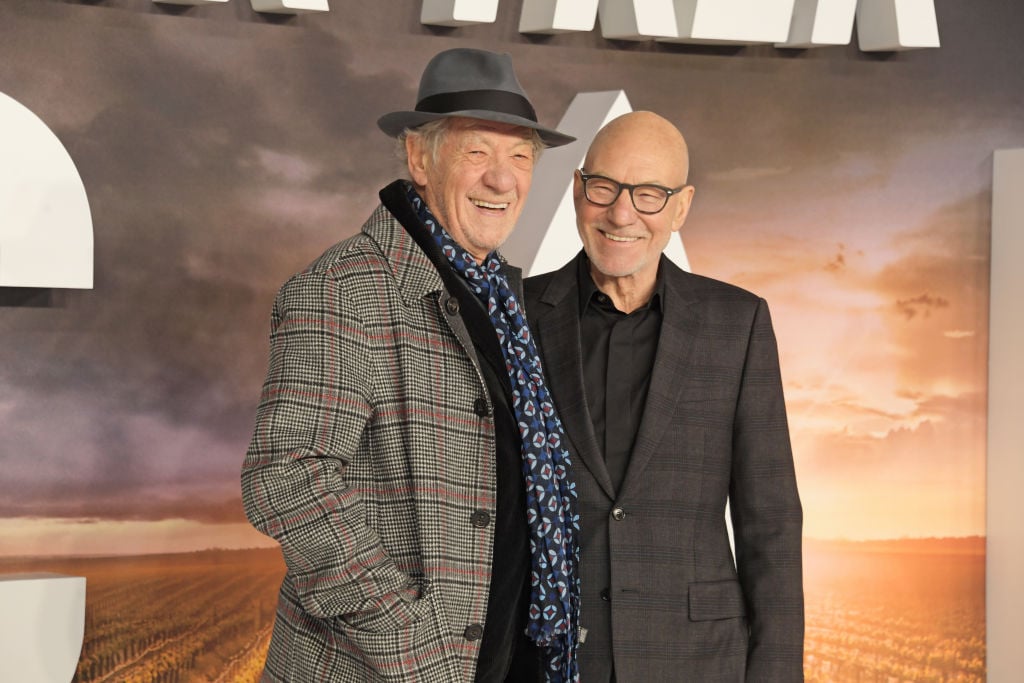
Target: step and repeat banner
[203, 153]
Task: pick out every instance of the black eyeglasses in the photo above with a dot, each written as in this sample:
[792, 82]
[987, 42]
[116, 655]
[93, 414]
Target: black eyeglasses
[647, 198]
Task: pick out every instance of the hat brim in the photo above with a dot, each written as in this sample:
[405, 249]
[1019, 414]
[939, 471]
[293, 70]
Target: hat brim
[397, 121]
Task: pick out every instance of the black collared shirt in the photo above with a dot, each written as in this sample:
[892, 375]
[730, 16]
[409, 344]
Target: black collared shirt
[618, 354]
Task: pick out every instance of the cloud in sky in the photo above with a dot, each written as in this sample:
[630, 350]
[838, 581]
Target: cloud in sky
[215, 168]
[223, 153]
[885, 402]
[923, 304]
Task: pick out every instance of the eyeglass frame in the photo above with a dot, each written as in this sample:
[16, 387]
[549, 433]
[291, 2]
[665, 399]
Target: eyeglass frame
[584, 177]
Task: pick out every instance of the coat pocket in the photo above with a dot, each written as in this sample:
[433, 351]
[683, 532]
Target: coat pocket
[712, 600]
[395, 611]
[406, 640]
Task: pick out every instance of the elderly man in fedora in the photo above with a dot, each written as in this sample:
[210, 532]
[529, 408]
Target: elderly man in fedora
[406, 455]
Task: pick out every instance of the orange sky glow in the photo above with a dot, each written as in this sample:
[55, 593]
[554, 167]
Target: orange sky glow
[883, 359]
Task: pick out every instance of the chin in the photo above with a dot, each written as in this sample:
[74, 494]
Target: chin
[614, 269]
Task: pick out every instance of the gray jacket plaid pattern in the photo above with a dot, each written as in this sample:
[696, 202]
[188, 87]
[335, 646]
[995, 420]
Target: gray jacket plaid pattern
[367, 463]
[662, 597]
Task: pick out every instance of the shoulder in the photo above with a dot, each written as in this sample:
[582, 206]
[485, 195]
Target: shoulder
[552, 286]
[367, 251]
[353, 270]
[707, 290]
[536, 284]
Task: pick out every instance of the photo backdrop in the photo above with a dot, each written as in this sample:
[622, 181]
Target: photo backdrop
[222, 150]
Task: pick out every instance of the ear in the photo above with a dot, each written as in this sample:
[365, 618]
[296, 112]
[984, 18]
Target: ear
[683, 201]
[417, 155]
[577, 187]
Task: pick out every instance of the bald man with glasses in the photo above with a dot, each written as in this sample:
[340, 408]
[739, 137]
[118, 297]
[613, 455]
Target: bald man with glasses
[669, 388]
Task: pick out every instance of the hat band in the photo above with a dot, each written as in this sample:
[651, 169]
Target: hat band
[471, 100]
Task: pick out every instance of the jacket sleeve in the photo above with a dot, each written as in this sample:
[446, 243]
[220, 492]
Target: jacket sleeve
[313, 410]
[766, 514]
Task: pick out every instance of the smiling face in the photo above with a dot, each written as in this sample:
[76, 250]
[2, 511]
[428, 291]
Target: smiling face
[623, 245]
[477, 182]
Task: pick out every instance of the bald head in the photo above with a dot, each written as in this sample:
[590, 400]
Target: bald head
[636, 164]
[648, 135]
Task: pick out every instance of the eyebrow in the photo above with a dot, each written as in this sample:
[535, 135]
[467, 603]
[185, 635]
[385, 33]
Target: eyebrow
[642, 182]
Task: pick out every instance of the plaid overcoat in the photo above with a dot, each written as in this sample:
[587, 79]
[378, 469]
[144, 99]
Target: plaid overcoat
[368, 461]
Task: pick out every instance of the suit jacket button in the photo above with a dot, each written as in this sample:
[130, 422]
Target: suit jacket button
[452, 305]
[605, 595]
[480, 518]
[618, 514]
[480, 407]
[473, 632]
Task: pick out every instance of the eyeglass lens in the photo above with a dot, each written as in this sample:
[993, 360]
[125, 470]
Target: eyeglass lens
[604, 192]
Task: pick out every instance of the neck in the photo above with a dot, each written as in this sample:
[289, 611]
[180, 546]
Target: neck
[628, 293]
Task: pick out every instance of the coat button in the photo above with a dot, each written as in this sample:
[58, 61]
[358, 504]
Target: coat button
[480, 407]
[605, 595]
[480, 518]
[473, 632]
[452, 305]
[618, 514]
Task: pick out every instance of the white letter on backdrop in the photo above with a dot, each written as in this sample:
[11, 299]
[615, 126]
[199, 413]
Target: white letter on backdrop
[289, 6]
[821, 22]
[882, 25]
[458, 12]
[46, 229]
[557, 16]
[638, 19]
[732, 21]
[886, 25]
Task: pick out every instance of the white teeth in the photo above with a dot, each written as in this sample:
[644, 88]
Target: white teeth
[488, 205]
[620, 238]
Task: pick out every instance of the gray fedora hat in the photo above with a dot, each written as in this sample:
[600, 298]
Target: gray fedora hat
[474, 84]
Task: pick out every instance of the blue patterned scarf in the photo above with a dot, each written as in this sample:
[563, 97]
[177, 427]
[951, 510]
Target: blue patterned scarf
[550, 493]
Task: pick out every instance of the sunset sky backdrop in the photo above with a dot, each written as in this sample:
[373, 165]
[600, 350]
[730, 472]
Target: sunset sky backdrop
[221, 153]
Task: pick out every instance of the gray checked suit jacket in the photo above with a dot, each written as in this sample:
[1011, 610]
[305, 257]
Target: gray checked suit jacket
[368, 461]
[662, 599]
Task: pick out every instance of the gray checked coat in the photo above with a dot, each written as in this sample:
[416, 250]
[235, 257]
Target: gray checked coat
[367, 464]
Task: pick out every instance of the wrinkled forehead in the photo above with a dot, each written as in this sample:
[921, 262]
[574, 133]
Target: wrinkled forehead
[478, 127]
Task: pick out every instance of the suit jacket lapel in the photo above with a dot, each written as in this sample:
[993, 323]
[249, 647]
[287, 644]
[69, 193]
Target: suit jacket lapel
[680, 323]
[558, 332]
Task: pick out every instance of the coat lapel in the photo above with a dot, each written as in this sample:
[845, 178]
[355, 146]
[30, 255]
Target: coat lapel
[679, 327]
[558, 332]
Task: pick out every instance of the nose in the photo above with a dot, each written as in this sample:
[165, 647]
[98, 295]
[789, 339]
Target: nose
[499, 176]
[622, 211]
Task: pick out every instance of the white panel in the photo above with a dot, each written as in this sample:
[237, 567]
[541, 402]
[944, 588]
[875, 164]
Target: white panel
[1004, 598]
[557, 16]
[42, 624]
[821, 22]
[458, 12]
[187, 2]
[290, 6]
[45, 224]
[545, 237]
[887, 25]
[732, 22]
[637, 19]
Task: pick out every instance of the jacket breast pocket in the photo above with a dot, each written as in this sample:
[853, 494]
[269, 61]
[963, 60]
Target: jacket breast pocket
[713, 600]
